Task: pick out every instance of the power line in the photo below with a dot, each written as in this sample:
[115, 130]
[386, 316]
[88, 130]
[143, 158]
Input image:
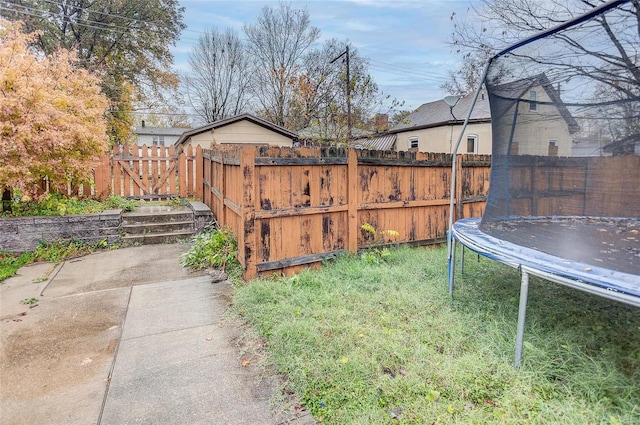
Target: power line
[87, 23]
[105, 27]
[86, 9]
[392, 68]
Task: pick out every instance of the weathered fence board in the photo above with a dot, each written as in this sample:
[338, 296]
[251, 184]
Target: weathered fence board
[295, 207]
[592, 186]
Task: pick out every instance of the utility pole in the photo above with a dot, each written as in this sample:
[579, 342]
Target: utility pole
[346, 53]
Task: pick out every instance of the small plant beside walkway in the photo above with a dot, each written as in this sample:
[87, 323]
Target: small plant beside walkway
[364, 342]
[213, 248]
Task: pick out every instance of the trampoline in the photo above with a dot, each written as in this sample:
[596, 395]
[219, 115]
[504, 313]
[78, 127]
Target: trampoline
[564, 196]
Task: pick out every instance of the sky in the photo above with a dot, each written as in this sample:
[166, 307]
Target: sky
[406, 41]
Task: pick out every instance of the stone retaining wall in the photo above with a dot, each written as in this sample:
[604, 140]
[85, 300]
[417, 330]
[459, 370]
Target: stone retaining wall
[18, 234]
[202, 215]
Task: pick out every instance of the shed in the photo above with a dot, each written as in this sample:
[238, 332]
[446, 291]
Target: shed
[242, 129]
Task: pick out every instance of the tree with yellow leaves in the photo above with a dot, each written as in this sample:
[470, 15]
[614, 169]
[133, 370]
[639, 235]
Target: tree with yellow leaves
[52, 115]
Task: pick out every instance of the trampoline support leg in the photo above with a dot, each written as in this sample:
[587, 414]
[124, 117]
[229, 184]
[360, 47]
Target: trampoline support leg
[462, 259]
[452, 266]
[522, 312]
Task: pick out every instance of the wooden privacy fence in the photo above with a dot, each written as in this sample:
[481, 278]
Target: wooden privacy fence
[144, 172]
[294, 207]
[573, 186]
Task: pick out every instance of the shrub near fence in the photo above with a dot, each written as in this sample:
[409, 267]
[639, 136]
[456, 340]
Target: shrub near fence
[294, 207]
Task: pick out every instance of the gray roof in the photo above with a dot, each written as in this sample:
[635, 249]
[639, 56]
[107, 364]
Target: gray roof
[251, 118]
[160, 131]
[382, 142]
[438, 113]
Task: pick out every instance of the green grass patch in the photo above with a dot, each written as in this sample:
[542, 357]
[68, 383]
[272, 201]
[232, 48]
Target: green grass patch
[53, 252]
[10, 263]
[365, 342]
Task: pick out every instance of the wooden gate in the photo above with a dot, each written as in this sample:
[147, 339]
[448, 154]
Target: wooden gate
[155, 171]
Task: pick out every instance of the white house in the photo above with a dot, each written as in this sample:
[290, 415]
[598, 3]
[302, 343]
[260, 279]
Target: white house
[157, 136]
[435, 127]
[543, 124]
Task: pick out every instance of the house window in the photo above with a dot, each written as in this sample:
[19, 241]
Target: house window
[413, 143]
[553, 147]
[472, 143]
[533, 98]
[158, 140]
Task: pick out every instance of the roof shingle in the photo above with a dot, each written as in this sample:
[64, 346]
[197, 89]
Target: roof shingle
[434, 114]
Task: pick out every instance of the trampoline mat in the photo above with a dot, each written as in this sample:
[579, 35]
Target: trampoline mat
[613, 244]
[600, 252]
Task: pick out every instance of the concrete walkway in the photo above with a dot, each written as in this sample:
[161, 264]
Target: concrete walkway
[130, 337]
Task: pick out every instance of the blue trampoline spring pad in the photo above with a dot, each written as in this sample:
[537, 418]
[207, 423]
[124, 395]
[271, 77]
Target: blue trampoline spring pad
[601, 252]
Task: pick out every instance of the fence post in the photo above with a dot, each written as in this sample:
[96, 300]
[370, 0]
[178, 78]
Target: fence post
[198, 170]
[458, 188]
[172, 177]
[247, 217]
[352, 194]
[223, 177]
[190, 174]
[182, 173]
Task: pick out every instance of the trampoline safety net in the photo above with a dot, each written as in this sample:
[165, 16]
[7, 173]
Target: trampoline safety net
[565, 174]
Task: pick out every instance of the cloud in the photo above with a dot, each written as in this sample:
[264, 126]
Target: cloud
[405, 40]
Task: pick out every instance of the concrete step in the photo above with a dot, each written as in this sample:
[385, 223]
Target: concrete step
[158, 227]
[146, 217]
[157, 238]
[155, 225]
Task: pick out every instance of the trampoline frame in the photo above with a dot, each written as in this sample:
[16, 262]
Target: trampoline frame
[454, 236]
[527, 266]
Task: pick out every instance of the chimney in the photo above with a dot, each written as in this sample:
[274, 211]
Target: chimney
[381, 122]
[142, 123]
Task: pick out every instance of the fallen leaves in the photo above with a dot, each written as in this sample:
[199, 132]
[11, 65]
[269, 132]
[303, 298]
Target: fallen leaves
[491, 403]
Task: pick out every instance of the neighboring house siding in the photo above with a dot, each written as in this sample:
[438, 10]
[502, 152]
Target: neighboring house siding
[242, 132]
[535, 129]
[248, 132]
[147, 139]
[163, 136]
[205, 140]
[441, 139]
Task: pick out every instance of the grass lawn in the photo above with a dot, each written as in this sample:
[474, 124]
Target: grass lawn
[367, 343]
